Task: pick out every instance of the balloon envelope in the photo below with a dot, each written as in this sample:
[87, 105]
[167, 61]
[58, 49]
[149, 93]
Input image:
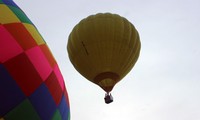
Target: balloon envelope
[31, 84]
[104, 48]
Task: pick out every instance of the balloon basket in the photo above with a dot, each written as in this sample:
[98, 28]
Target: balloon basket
[108, 98]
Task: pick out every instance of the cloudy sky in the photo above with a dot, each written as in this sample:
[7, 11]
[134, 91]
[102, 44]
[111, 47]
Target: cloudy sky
[165, 82]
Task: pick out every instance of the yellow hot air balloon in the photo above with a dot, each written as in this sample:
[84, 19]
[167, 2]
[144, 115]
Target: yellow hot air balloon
[104, 48]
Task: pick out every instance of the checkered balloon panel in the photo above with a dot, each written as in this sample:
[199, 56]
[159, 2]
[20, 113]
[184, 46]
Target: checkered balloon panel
[31, 84]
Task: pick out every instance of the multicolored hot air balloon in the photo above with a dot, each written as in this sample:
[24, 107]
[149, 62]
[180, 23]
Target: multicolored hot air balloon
[104, 48]
[31, 84]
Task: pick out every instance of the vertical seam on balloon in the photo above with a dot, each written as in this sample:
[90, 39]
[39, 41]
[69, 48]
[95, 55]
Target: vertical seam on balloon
[127, 67]
[134, 58]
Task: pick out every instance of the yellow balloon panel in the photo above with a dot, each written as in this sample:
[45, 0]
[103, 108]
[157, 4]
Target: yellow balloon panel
[34, 33]
[104, 43]
[6, 15]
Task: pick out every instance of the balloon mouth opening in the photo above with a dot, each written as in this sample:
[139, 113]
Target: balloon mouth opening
[106, 80]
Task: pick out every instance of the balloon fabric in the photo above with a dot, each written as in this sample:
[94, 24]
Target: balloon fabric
[31, 84]
[104, 48]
